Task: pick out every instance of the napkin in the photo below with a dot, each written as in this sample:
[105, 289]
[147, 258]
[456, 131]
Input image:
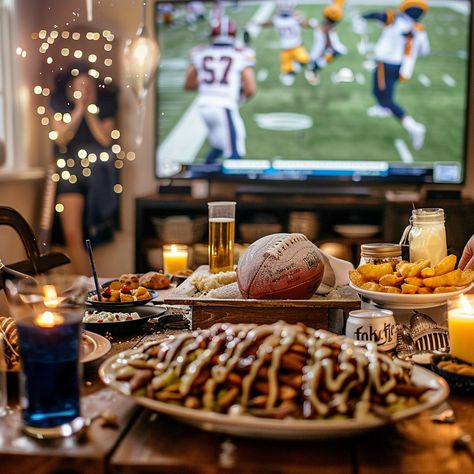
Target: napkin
[336, 273]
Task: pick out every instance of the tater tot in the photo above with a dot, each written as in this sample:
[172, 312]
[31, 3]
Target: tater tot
[409, 289]
[373, 272]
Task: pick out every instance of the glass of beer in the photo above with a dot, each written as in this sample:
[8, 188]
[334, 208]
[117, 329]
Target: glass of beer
[221, 236]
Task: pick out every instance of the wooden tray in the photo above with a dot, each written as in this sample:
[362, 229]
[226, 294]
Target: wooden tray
[321, 312]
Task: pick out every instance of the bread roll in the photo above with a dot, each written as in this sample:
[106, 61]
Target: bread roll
[154, 281]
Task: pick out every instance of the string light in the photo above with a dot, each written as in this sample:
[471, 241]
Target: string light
[76, 36]
[118, 188]
[104, 156]
[78, 53]
[59, 207]
[82, 153]
[115, 134]
[65, 175]
[53, 135]
[61, 163]
[70, 162]
[40, 110]
[55, 177]
[86, 172]
[45, 121]
[116, 148]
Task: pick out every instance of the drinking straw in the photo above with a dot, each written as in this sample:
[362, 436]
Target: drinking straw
[94, 273]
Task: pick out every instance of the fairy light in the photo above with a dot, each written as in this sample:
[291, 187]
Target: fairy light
[116, 148]
[76, 36]
[55, 177]
[59, 207]
[118, 188]
[96, 36]
[82, 153]
[45, 121]
[92, 157]
[108, 47]
[65, 51]
[78, 53]
[92, 58]
[104, 156]
[118, 164]
[34, 36]
[65, 175]
[54, 34]
[74, 72]
[23, 54]
[121, 155]
[94, 73]
[40, 110]
[65, 34]
[86, 172]
[49, 60]
[50, 40]
[107, 80]
[58, 116]
[108, 62]
[130, 156]
[46, 92]
[19, 51]
[44, 46]
[53, 135]
[77, 94]
[106, 33]
[90, 35]
[70, 162]
[84, 162]
[93, 109]
[67, 117]
[37, 90]
[73, 179]
[110, 37]
[115, 134]
[42, 34]
[61, 163]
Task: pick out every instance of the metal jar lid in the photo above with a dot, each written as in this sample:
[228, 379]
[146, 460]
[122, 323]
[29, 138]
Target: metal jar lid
[380, 250]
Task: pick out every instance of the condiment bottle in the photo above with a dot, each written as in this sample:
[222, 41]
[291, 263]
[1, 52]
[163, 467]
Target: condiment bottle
[380, 253]
[427, 237]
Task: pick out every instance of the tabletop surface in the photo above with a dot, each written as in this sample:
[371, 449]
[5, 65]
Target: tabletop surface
[143, 441]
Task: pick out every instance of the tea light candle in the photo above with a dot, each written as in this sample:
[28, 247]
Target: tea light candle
[48, 319]
[461, 329]
[175, 258]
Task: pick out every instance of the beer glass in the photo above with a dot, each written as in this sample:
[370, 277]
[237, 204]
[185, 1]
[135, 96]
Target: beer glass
[221, 236]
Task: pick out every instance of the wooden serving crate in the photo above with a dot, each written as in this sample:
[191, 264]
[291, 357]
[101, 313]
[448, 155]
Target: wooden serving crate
[320, 312]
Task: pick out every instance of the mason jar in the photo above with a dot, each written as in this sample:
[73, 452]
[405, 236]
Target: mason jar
[427, 236]
[380, 253]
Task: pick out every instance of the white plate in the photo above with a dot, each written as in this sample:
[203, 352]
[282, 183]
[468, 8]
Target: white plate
[357, 230]
[400, 301]
[252, 427]
[93, 346]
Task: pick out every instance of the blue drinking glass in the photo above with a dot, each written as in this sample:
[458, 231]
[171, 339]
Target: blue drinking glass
[49, 324]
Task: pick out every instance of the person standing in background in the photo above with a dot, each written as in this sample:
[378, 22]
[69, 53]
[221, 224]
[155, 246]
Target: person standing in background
[223, 75]
[402, 40]
[84, 119]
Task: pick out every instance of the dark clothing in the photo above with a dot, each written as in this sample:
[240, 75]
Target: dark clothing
[101, 202]
[385, 79]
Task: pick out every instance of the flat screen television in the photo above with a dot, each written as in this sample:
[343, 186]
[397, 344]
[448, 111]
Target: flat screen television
[326, 122]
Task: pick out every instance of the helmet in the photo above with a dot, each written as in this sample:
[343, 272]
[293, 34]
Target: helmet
[333, 12]
[223, 30]
[414, 8]
[286, 7]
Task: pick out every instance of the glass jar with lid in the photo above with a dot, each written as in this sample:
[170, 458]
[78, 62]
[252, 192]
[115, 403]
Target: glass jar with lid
[427, 236]
[380, 253]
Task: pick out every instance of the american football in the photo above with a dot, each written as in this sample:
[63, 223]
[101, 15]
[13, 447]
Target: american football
[280, 266]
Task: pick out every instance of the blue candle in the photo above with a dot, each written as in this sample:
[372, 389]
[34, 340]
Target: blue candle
[50, 369]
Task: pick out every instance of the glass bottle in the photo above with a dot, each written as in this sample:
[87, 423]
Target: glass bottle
[377, 253]
[427, 237]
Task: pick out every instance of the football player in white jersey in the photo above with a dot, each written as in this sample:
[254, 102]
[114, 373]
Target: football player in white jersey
[223, 75]
[326, 42]
[293, 54]
[402, 40]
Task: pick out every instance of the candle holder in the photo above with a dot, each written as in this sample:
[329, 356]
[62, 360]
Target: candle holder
[48, 315]
[175, 258]
[461, 327]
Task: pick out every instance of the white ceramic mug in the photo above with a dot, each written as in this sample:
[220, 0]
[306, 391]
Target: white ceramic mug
[377, 325]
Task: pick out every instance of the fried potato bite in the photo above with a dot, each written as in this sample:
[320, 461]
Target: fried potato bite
[373, 272]
[409, 289]
[448, 279]
[408, 269]
[391, 279]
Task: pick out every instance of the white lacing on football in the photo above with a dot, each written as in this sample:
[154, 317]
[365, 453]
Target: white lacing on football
[279, 247]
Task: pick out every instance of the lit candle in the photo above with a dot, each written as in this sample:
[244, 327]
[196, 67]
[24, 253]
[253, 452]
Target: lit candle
[461, 329]
[175, 258]
[48, 319]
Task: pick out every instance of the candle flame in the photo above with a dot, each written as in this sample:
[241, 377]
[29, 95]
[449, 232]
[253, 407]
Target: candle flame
[50, 296]
[174, 249]
[48, 319]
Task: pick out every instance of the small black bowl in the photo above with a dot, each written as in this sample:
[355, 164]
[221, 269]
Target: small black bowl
[123, 328]
[459, 383]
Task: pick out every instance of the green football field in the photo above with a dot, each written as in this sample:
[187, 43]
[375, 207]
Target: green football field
[341, 128]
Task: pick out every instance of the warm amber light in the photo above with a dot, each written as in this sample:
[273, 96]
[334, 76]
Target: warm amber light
[48, 319]
[50, 296]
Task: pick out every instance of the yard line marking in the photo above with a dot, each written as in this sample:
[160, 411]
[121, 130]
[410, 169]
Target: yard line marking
[424, 80]
[403, 151]
[449, 80]
[185, 140]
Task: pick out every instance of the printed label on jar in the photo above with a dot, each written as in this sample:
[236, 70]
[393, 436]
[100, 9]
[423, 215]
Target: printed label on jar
[377, 326]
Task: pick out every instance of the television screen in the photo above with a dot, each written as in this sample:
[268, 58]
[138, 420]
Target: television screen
[359, 90]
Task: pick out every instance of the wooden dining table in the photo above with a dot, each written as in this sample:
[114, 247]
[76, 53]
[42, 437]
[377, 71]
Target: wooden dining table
[125, 438]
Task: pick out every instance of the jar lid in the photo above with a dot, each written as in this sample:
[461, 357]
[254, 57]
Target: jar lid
[379, 250]
[427, 215]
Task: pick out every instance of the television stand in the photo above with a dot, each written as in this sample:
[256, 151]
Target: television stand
[315, 190]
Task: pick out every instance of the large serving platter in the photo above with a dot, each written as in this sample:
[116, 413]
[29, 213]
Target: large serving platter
[404, 301]
[289, 429]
